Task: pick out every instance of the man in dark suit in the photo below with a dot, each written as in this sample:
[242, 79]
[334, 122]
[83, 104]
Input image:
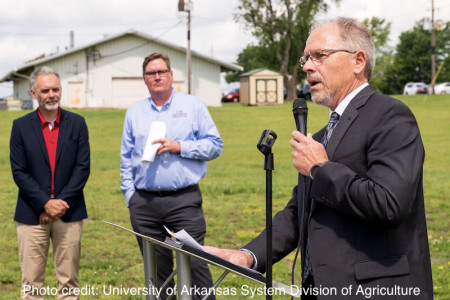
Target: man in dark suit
[359, 214]
[50, 163]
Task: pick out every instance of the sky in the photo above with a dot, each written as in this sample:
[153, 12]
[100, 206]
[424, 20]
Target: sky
[30, 28]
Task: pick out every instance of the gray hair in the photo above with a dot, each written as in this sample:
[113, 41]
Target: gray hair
[357, 37]
[42, 70]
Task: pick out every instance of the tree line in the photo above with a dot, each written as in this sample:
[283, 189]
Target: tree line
[281, 29]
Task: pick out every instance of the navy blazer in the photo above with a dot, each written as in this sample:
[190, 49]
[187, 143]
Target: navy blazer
[31, 169]
[364, 211]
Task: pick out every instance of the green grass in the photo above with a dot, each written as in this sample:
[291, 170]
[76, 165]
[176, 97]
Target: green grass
[233, 192]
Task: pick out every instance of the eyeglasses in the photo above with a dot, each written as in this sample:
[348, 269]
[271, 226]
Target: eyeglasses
[318, 55]
[161, 73]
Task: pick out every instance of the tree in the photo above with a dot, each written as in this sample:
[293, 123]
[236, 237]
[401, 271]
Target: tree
[413, 57]
[254, 57]
[384, 75]
[281, 27]
[380, 30]
[442, 52]
[412, 61]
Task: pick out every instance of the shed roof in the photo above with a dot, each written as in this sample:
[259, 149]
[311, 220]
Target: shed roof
[260, 71]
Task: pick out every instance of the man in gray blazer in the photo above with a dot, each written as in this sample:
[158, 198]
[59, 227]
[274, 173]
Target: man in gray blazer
[361, 226]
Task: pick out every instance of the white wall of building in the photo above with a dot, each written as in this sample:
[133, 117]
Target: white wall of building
[100, 75]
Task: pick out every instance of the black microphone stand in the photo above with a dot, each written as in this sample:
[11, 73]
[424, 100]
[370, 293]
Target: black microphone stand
[265, 144]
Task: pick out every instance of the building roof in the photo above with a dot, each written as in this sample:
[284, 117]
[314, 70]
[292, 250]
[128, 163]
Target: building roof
[16, 71]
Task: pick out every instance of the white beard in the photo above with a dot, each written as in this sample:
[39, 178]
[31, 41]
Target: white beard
[51, 107]
[324, 99]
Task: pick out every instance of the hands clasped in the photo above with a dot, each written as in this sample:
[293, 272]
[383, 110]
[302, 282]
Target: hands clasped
[307, 152]
[56, 208]
[45, 218]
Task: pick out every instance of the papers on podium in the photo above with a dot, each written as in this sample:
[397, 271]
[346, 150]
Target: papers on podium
[185, 238]
[186, 244]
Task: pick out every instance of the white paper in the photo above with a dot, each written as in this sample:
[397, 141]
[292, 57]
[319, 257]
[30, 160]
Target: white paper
[185, 238]
[157, 131]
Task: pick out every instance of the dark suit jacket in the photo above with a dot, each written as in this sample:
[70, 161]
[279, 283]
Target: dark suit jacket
[366, 224]
[31, 169]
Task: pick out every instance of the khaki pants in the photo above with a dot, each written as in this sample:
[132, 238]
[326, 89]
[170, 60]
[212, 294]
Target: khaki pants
[34, 241]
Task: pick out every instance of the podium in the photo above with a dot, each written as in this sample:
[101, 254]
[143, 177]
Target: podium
[183, 268]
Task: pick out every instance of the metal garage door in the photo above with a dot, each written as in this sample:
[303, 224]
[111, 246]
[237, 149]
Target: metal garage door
[126, 91]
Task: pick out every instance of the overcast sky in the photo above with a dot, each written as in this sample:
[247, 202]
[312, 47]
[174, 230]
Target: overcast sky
[29, 28]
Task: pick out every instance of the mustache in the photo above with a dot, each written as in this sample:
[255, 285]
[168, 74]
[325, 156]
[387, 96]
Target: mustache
[314, 78]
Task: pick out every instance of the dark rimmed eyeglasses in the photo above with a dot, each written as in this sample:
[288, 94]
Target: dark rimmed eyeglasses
[318, 55]
[161, 73]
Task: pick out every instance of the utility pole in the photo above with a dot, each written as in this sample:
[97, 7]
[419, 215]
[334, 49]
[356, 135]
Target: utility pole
[433, 47]
[187, 7]
[72, 39]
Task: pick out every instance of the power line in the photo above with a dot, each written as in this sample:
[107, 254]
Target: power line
[208, 19]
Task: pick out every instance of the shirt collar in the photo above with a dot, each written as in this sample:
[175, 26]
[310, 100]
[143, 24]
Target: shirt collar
[165, 106]
[344, 103]
[44, 122]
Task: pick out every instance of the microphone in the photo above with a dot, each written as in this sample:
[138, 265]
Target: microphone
[300, 110]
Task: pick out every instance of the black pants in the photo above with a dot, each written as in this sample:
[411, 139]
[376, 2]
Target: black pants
[150, 211]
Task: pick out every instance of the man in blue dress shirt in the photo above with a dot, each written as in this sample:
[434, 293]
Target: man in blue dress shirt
[166, 192]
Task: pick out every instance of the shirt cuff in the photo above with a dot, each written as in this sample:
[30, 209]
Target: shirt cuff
[128, 196]
[184, 151]
[255, 261]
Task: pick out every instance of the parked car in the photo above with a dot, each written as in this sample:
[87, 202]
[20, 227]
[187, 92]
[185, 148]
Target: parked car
[232, 96]
[441, 88]
[304, 92]
[412, 88]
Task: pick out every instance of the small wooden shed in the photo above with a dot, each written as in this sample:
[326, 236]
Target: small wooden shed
[261, 87]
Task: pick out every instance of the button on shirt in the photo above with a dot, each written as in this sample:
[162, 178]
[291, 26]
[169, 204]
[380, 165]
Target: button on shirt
[188, 122]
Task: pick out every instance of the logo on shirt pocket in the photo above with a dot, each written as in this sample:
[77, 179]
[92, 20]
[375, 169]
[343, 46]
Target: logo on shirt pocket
[179, 114]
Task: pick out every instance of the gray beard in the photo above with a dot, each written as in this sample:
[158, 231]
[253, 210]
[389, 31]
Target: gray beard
[322, 100]
[51, 108]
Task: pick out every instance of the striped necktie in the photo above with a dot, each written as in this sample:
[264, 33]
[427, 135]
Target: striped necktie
[334, 118]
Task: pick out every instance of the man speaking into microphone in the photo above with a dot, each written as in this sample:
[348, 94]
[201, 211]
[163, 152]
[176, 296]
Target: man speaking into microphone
[359, 215]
